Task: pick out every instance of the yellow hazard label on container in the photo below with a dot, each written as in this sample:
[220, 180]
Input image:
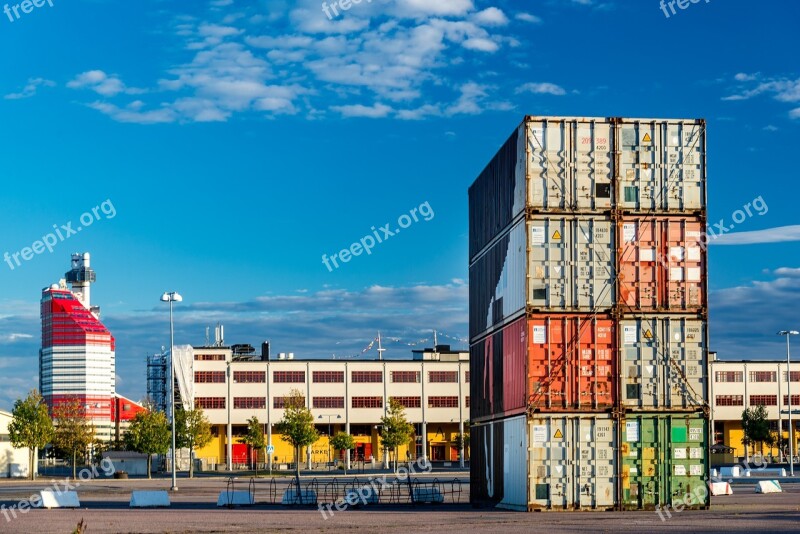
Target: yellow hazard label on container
[558, 434]
[646, 138]
[556, 235]
[648, 334]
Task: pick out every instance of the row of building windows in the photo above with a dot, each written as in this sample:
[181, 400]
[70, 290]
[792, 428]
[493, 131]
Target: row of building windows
[753, 376]
[256, 403]
[755, 400]
[299, 377]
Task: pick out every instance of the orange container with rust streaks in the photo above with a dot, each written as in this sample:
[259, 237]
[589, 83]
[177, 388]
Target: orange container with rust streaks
[662, 264]
[572, 362]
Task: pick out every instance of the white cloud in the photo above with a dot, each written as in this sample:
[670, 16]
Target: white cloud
[770, 128]
[781, 234]
[781, 89]
[491, 16]
[30, 88]
[527, 17]
[357, 110]
[101, 83]
[541, 88]
[795, 113]
[742, 77]
[14, 337]
[134, 115]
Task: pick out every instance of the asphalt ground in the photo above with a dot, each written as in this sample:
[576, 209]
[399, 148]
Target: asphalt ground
[104, 509]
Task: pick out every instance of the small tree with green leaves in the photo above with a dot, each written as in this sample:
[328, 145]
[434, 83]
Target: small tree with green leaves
[73, 432]
[255, 437]
[343, 441]
[462, 440]
[192, 431]
[30, 427]
[149, 433]
[395, 430]
[755, 424]
[297, 427]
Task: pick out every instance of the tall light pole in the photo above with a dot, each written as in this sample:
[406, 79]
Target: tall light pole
[171, 297]
[329, 434]
[788, 333]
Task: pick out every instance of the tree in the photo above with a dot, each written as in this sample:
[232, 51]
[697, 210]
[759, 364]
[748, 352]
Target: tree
[255, 437]
[73, 432]
[148, 434]
[396, 430]
[31, 426]
[192, 431]
[462, 440]
[755, 425]
[343, 441]
[297, 427]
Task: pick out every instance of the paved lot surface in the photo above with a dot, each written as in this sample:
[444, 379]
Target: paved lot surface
[105, 510]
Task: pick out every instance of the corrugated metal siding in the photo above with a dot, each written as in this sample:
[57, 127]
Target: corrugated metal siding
[572, 363]
[664, 363]
[664, 460]
[497, 196]
[570, 164]
[497, 373]
[662, 264]
[497, 282]
[486, 473]
[572, 462]
[571, 263]
[515, 464]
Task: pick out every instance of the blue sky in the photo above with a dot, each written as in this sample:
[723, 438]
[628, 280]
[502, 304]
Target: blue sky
[239, 141]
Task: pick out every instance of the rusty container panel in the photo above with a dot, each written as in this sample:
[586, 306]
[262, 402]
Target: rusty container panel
[572, 363]
[497, 283]
[573, 462]
[662, 264]
[571, 263]
[497, 373]
[662, 165]
[663, 362]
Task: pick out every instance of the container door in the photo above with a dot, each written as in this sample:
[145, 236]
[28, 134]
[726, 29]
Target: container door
[592, 175]
[595, 463]
[593, 245]
[686, 375]
[638, 264]
[550, 463]
[642, 462]
[684, 166]
[687, 462]
[515, 463]
[686, 264]
[549, 269]
[548, 165]
[640, 184]
[641, 364]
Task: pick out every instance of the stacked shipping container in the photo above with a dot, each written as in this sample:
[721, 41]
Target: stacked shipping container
[588, 338]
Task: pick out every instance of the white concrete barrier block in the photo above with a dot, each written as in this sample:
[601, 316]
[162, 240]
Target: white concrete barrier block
[768, 486]
[149, 499]
[362, 495]
[235, 498]
[734, 471]
[772, 471]
[720, 488]
[428, 495]
[306, 497]
[714, 473]
[59, 499]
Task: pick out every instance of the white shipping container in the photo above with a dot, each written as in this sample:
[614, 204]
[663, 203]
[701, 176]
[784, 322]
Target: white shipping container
[663, 361]
[515, 464]
[571, 263]
[572, 462]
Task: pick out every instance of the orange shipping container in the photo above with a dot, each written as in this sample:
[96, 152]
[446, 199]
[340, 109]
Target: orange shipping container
[572, 362]
[662, 264]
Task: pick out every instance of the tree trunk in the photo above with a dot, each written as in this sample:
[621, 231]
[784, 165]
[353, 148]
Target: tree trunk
[191, 462]
[297, 472]
[149, 459]
[30, 463]
[74, 464]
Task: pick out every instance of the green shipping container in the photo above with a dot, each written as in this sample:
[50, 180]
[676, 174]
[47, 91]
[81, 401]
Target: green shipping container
[664, 460]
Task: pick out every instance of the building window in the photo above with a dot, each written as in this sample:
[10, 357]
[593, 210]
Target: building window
[209, 377]
[249, 403]
[466, 377]
[442, 376]
[367, 376]
[405, 376]
[729, 376]
[466, 401]
[328, 402]
[328, 376]
[795, 400]
[289, 377]
[210, 403]
[794, 374]
[209, 357]
[763, 400]
[409, 402]
[763, 376]
[442, 402]
[280, 402]
[730, 400]
[367, 402]
[249, 377]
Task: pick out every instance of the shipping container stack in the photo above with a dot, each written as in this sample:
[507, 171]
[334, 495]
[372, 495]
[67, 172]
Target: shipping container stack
[588, 334]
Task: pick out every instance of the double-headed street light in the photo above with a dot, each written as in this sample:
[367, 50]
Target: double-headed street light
[788, 333]
[171, 297]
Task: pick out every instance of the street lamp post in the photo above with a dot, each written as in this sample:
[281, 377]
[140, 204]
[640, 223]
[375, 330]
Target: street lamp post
[788, 333]
[329, 434]
[172, 297]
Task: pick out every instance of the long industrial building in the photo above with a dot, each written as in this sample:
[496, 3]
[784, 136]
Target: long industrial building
[233, 383]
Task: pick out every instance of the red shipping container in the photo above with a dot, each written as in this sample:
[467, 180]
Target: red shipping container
[662, 264]
[572, 362]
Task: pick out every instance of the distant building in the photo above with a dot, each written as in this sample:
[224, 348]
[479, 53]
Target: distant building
[737, 385]
[232, 384]
[13, 462]
[77, 355]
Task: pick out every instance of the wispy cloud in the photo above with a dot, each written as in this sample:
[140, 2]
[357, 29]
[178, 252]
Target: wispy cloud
[780, 234]
[101, 83]
[541, 88]
[781, 89]
[30, 88]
